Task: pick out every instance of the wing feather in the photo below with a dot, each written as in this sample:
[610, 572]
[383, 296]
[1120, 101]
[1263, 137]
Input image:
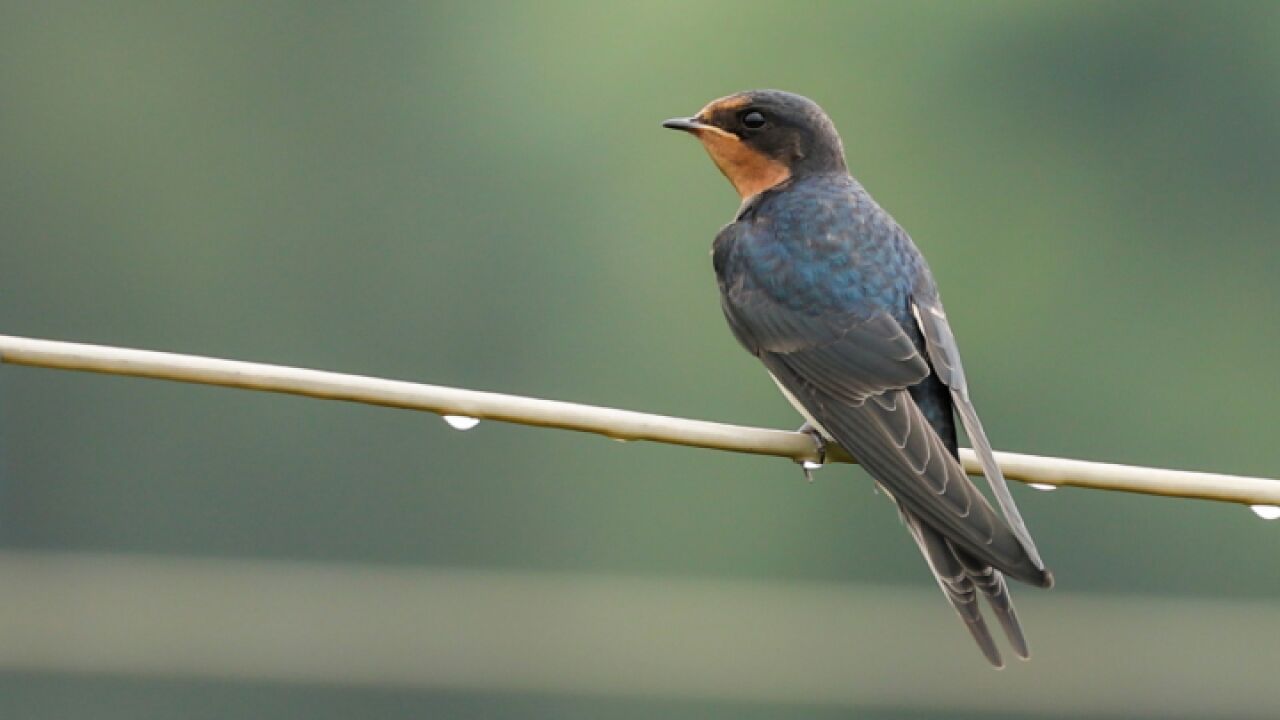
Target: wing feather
[944, 354]
[832, 363]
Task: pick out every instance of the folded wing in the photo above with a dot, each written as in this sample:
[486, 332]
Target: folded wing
[851, 373]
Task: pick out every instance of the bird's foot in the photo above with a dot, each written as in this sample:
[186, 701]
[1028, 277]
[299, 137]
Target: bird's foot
[808, 466]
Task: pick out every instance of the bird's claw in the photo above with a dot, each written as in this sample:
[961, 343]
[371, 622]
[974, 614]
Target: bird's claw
[808, 466]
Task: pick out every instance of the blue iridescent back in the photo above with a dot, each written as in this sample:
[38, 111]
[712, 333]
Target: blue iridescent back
[824, 246]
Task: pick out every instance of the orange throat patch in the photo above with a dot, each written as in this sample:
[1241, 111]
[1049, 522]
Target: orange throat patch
[750, 171]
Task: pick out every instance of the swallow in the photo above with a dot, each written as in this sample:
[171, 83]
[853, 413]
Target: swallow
[820, 284]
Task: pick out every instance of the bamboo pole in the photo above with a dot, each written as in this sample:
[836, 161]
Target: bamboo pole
[610, 422]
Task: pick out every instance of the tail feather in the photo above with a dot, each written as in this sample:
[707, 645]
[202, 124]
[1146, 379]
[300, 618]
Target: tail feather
[959, 587]
[991, 583]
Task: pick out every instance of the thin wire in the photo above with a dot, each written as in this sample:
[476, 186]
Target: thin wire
[610, 422]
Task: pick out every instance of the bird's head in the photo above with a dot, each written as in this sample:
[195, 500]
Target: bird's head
[761, 138]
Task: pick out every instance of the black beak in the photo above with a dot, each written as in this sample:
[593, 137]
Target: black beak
[687, 124]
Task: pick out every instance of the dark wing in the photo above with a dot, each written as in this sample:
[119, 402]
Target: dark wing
[851, 373]
[944, 355]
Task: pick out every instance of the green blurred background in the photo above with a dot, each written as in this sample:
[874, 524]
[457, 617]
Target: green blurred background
[479, 195]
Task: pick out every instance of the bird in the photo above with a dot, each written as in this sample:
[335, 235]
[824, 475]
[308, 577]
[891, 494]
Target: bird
[823, 286]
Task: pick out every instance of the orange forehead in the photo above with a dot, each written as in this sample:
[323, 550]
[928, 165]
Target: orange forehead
[728, 104]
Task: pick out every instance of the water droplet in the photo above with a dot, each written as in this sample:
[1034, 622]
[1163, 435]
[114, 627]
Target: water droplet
[1266, 512]
[1043, 487]
[811, 465]
[461, 422]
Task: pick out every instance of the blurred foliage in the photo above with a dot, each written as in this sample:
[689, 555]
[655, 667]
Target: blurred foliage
[479, 195]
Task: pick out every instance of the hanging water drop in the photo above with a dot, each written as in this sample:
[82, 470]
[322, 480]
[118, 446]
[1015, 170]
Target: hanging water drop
[808, 466]
[1266, 512]
[461, 422]
[1042, 487]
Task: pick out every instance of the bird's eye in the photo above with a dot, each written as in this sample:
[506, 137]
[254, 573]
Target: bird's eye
[753, 120]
